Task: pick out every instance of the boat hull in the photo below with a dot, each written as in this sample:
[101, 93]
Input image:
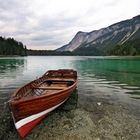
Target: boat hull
[24, 126]
[28, 111]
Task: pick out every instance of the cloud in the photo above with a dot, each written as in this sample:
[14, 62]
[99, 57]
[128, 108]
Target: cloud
[49, 24]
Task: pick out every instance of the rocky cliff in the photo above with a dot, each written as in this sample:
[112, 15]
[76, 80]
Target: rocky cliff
[102, 39]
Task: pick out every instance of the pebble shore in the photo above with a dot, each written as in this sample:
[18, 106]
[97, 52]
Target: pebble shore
[71, 121]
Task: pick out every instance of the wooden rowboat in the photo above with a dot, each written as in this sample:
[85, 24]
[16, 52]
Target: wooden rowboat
[32, 102]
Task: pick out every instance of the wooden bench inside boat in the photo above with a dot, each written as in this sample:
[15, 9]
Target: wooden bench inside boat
[59, 81]
[50, 88]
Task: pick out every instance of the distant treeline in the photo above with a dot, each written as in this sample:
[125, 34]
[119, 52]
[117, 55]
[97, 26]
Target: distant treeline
[47, 52]
[9, 46]
[82, 52]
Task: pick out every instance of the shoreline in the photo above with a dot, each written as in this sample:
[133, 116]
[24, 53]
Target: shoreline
[11, 56]
[127, 56]
[106, 121]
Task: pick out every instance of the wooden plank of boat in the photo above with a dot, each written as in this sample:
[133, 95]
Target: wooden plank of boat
[50, 88]
[32, 102]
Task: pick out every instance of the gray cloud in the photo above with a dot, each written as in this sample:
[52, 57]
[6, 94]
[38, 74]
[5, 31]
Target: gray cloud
[48, 24]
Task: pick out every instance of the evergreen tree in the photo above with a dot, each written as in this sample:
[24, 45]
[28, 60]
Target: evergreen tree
[10, 46]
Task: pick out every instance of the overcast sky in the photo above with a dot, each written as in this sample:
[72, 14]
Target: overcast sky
[50, 24]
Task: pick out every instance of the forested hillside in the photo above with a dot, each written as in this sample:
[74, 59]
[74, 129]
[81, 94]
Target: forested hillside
[131, 47]
[9, 46]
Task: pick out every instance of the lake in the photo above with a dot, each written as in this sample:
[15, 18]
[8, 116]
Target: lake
[115, 79]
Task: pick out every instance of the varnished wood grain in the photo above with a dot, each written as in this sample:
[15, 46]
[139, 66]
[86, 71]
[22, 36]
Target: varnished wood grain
[24, 102]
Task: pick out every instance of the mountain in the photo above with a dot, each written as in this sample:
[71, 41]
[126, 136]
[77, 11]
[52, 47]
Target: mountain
[99, 42]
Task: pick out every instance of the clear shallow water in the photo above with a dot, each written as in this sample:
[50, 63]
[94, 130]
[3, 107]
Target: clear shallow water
[112, 78]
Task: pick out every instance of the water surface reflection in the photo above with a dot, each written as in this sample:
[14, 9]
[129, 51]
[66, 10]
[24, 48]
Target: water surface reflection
[11, 72]
[111, 78]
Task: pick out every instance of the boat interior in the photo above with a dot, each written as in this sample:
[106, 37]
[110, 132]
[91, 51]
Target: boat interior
[45, 87]
[51, 82]
[51, 86]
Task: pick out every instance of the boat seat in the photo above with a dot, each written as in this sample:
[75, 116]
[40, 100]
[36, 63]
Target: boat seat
[51, 88]
[59, 81]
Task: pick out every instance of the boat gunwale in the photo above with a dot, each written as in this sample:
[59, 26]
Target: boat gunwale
[28, 99]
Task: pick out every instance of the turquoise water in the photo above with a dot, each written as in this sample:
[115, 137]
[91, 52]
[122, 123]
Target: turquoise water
[116, 79]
